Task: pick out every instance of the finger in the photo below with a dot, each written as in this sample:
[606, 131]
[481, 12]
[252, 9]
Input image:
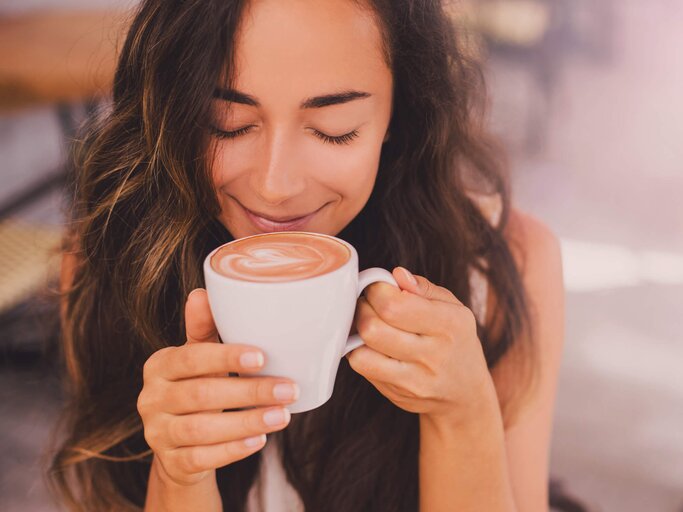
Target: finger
[423, 286]
[410, 312]
[218, 393]
[385, 338]
[199, 324]
[375, 366]
[207, 428]
[197, 359]
[195, 459]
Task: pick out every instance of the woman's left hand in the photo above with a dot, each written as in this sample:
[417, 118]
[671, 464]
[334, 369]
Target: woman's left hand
[421, 349]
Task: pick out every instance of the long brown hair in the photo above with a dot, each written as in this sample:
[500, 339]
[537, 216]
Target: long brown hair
[144, 215]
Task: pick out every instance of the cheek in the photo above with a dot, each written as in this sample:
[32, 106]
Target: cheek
[350, 171]
[223, 168]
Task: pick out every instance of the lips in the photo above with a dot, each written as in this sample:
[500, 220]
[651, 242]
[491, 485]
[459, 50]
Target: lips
[269, 224]
[278, 219]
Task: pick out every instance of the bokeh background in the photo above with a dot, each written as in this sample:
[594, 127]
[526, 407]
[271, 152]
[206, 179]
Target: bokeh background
[587, 97]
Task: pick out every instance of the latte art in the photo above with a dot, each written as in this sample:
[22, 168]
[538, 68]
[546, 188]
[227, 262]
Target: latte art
[280, 257]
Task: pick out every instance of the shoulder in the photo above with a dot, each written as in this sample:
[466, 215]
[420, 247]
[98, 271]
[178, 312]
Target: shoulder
[526, 377]
[532, 240]
[537, 254]
[523, 232]
[536, 250]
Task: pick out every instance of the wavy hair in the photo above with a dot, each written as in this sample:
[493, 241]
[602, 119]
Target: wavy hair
[144, 214]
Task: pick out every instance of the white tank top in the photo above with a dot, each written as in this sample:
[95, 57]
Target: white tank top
[271, 492]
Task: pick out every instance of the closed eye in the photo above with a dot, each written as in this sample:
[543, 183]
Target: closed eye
[222, 134]
[328, 139]
[340, 139]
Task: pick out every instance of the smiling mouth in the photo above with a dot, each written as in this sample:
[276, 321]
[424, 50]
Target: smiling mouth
[267, 223]
[280, 219]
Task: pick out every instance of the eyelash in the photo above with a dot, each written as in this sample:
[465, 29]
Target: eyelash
[327, 139]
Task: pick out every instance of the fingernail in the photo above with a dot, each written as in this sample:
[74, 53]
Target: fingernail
[196, 290]
[276, 417]
[251, 359]
[285, 391]
[255, 441]
[410, 276]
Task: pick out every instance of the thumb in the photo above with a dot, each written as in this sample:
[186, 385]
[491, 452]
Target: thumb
[199, 324]
[422, 286]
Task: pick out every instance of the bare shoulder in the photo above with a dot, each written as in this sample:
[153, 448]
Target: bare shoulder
[536, 250]
[537, 253]
[532, 241]
[526, 377]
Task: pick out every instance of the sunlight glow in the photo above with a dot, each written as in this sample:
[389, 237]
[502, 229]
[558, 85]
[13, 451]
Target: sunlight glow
[590, 266]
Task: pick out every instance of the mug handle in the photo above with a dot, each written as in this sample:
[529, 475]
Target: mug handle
[365, 278]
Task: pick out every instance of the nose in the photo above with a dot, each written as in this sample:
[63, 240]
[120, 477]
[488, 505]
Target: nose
[280, 174]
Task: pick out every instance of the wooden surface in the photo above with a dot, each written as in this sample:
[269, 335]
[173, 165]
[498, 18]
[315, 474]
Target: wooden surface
[55, 56]
[63, 56]
[29, 259]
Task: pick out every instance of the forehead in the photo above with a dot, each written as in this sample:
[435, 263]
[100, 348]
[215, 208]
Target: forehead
[307, 46]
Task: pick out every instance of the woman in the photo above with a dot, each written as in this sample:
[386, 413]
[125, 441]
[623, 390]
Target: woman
[365, 116]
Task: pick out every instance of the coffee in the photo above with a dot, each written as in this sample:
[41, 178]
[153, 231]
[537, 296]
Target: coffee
[302, 323]
[280, 257]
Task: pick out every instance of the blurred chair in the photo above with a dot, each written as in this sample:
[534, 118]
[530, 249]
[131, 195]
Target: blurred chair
[63, 59]
[29, 258]
[527, 32]
[538, 36]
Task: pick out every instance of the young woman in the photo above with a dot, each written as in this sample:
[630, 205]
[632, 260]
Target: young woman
[230, 118]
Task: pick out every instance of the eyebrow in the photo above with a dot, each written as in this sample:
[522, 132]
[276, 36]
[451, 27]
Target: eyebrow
[314, 102]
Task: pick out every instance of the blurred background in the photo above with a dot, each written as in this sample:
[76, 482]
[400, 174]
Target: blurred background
[585, 94]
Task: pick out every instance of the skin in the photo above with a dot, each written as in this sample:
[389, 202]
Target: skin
[275, 169]
[288, 52]
[280, 167]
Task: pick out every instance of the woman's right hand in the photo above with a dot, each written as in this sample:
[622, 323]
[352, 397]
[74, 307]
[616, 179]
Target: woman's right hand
[185, 390]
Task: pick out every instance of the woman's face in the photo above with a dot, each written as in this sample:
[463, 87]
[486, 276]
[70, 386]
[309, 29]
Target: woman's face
[280, 160]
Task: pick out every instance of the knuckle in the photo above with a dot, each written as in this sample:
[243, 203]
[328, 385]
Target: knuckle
[428, 287]
[184, 430]
[449, 316]
[233, 356]
[368, 326]
[252, 421]
[465, 317]
[192, 460]
[447, 292]
[148, 401]
[171, 459]
[424, 357]
[200, 395]
[192, 429]
[260, 390]
[453, 323]
[421, 390]
[142, 403]
[163, 395]
[370, 292]
[191, 363]
[389, 310]
[155, 362]
[149, 368]
[152, 436]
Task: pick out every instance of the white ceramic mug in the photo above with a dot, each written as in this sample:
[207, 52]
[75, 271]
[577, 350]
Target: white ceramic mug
[302, 326]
